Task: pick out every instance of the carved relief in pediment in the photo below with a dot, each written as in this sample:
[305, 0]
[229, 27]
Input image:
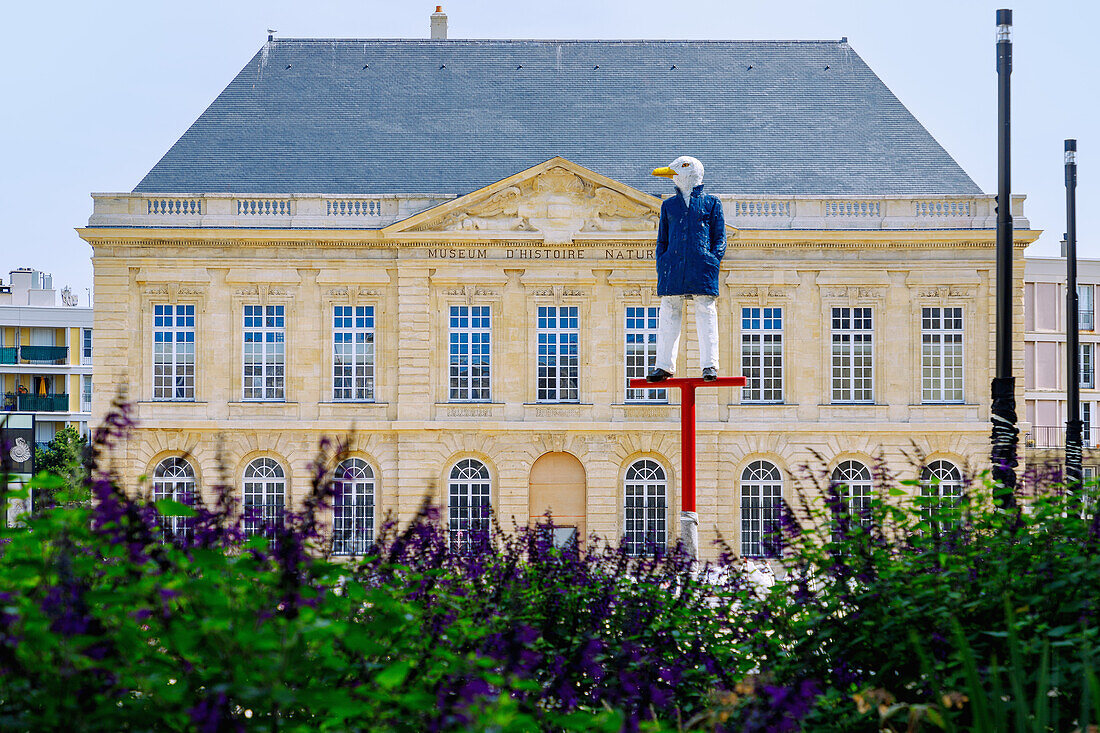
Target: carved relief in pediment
[613, 212]
[499, 212]
[557, 202]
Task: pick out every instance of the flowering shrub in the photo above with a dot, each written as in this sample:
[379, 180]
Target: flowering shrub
[103, 622]
[939, 612]
[116, 615]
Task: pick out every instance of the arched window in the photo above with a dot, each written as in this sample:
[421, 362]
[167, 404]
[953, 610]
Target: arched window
[467, 503]
[761, 496]
[352, 507]
[174, 479]
[941, 483]
[264, 496]
[853, 479]
[645, 516]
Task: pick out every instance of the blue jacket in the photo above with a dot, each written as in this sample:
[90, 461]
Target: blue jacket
[691, 241]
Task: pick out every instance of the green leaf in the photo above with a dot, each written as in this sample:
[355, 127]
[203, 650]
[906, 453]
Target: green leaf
[45, 480]
[393, 675]
[172, 508]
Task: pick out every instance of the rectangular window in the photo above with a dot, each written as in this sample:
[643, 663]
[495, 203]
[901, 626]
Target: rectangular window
[1086, 427]
[941, 355]
[559, 355]
[173, 352]
[353, 353]
[264, 352]
[1086, 363]
[86, 393]
[762, 354]
[85, 346]
[641, 352]
[469, 355]
[852, 355]
[1085, 309]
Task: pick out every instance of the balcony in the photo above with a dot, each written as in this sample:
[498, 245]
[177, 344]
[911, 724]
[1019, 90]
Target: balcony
[1053, 436]
[43, 354]
[9, 355]
[36, 402]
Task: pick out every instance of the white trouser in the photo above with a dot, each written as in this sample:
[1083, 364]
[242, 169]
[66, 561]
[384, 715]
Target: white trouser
[706, 329]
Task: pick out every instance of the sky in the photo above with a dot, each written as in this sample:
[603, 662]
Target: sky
[96, 92]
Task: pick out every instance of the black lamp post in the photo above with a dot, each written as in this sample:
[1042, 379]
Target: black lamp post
[1073, 364]
[1005, 433]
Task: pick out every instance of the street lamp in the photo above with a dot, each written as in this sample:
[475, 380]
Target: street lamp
[1003, 412]
[1073, 364]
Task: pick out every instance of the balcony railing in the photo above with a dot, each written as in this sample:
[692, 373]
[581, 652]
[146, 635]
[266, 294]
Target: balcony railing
[43, 353]
[1054, 436]
[36, 402]
[9, 354]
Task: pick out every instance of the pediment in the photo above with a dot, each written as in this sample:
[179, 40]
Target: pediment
[555, 202]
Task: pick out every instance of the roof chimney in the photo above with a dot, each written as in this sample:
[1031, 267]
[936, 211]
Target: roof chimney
[439, 24]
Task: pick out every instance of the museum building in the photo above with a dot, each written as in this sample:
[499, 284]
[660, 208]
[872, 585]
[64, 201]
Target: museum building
[444, 249]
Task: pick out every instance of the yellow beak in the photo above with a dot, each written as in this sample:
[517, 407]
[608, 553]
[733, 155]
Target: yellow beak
[665, 172]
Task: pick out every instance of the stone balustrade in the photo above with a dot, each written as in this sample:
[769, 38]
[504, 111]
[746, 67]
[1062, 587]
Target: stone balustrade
[315, 211]
[867, 212]
[212, 211]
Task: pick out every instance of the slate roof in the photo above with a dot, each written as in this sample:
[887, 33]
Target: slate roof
[420, 116]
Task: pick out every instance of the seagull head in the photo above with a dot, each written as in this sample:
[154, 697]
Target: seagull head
[686, 172]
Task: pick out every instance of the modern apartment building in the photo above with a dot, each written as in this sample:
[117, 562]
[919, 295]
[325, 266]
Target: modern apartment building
[1045, 367]
[448, 246]
[45, 354]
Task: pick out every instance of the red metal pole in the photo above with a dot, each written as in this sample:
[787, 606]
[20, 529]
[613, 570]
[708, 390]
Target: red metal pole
[687, 424]
[687, 445]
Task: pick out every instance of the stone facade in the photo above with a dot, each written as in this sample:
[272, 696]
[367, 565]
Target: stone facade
[558, 235]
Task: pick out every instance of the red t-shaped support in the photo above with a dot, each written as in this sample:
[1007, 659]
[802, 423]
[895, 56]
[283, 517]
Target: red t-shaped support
[687, 424]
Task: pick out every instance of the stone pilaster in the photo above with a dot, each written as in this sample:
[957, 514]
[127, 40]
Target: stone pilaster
[413, 344]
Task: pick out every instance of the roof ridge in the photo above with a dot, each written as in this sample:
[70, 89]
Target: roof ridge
[614, 41]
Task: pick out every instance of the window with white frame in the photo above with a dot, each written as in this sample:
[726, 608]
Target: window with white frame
[469, 360]
[761, 502]
[85, 346]
[85, 392]
[559, 354]
[264, 496]
[264, 352]
[645, 512]
[852, 480]
[468, 504]
[641, 352]
[941, 354]
[353, 353]
[173, 352]
[1087, 364]
[1085, 307]
[352, 507]
[762, 354]
[852, 355]
[1086, 423]
[941, 485]
[174, 479]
